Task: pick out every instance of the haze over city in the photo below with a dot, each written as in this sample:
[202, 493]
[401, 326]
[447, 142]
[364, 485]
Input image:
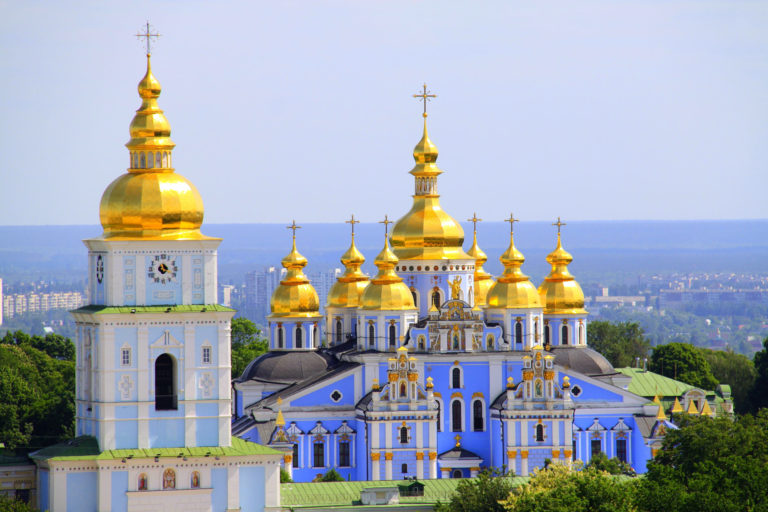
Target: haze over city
[305, 110]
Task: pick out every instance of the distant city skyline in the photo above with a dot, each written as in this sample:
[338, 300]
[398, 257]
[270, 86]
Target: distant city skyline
[588, 111]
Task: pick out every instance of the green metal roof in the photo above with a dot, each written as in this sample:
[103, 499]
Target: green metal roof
[348, 493]
[87, 448]
[186, 308]
[649, 384]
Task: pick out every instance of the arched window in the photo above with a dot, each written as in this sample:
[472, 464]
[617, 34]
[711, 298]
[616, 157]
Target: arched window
[403, 390]
[169, 479]
[165, 383]
[318, 455]
[478, 425]
[439, 416]
[621, 450]
[456, 416]
[298, 341]
[436, 299]
[392, 336]
[404, 435]
[456, 378]
[150, 160]
[564, 335]
[315, 337]
[490, 342]
[338, 331]
[371, 335]
[540, 433]
[422, 342]
[295, 458]
[195, 480]
[536, 330]
[280, 337]
[165, 159]
[581, 334]
[158, 159]
[143, 161]
[518, 332]
[546, 334]
[415, 298]
[456, 473]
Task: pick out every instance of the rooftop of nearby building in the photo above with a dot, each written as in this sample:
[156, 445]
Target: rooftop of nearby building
[179, 308]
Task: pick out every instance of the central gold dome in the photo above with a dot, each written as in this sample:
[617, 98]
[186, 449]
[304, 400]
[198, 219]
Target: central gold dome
[560, 293]
[427, 232]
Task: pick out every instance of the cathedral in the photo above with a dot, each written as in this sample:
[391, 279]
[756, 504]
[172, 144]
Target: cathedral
[432, 368]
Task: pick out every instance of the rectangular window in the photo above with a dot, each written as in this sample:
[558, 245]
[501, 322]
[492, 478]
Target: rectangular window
[344, 454]
[295, 461]
[404, 468]
[318, 455]
[125, 358]
[621, 450]
[206, 355]
[596, 446]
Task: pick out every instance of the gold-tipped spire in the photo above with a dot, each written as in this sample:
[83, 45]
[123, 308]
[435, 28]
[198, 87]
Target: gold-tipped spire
[692, 408]
[151, 201]
[427, 232]
[348, 288]
[513, 289]
[676, 407]
[560, 292]
[295, 297]
[660, 415]
[386, 291]
[483, 280]
[706, 410]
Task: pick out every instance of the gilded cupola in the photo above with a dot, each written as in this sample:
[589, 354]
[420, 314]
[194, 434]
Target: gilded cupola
[513, 289]
[560, 293]
[348, 288]
[427, 232]
[386, 291]
[483, 280]
[151, 201]
[295, 297]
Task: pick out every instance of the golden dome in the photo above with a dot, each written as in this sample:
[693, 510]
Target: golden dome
[513, 289]
[560, 293]
[483, 280]
[295, 297]
[348, 288]
[426, 232]
[151, 201]
[386, 291]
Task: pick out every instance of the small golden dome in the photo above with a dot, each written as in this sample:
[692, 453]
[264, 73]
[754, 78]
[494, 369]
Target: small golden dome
[348, 288]
[513, 289]
[151, 201]
[386, 291]
[295, 297]
[483, 280]
[427, 232]
[560, 293]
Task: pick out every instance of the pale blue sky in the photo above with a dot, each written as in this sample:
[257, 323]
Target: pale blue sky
[582, 109]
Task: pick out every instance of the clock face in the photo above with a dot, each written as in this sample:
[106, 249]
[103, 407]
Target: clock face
[162, 269]
[99, 268]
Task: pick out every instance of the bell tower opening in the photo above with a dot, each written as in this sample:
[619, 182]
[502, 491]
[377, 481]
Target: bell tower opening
[165, 383]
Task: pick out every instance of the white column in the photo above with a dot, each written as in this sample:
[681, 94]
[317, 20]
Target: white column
[272, 485]
[186, 277]
[233, 487]
[388, 466]
[104, 493]
[190, 391]
[57, 499]
[375, 466]
[142, 381]
[433, 465]
[524, 447]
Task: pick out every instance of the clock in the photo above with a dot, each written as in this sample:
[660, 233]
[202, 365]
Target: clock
[162, 269]
[99, 268]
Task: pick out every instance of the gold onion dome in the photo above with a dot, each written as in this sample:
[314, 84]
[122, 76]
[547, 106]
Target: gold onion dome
[151, 201]
[348, 288]
[295, 297]
[513, 289]
[560, 293]
[483, 280]
[386, 291]
[427, 232]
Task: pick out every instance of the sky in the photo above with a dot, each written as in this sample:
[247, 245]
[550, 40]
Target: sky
[588, 110]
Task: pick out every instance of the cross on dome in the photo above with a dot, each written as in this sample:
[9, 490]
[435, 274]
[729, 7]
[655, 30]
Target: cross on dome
[559, 225]
[474, 220]
[149, 36]
[424, 97]
[352, 221]
[386, 223]
[511, 221]
[293, 227]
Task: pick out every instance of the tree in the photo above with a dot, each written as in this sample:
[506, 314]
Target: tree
[613, 466]
[248, 343]
[15, 400]
[562, 489]
[11, 505]
[758, 394]
[685, 363]
[331, 476]
[620, 342]
[735, 370]
[481, 494]
[285, 477]
[709, 464]
[54, 345]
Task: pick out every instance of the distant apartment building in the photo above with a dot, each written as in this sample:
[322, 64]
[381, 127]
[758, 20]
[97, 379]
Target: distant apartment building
[1, 302]
[21, 303]
[676, 299]
[225, 294]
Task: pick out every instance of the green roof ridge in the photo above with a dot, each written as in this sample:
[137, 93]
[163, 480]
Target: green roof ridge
[171, 308]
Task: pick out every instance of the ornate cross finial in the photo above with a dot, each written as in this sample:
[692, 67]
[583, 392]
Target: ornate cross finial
[149, 36]
[293, 227]
[559, 225]
[424, 97]
[511, 221]
[474, 220]
[386, 223]
[279, 400]
[352, 221]
[458, 440]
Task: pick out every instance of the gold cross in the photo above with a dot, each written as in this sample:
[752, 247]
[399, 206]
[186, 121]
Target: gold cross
[559, 225]
[293, 227]
[474, 220]
[148, 35]
[458, 440]
[511, 221]
[386, 223]
[424, 97]
[353, 222]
